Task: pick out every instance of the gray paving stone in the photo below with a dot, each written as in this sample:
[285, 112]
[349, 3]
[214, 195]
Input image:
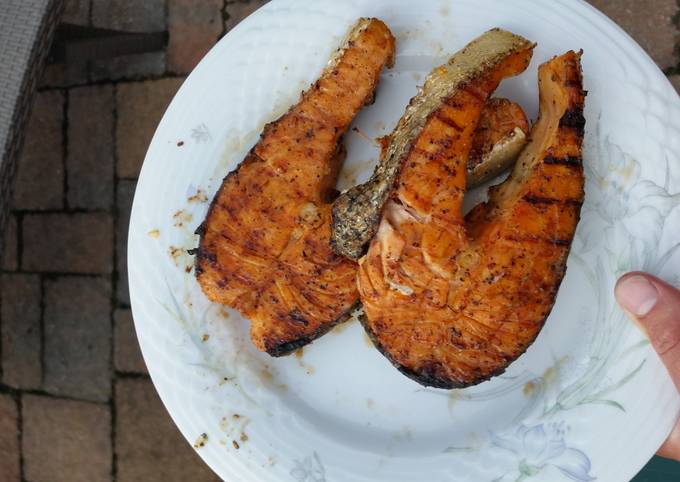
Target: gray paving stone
[89, 161]
[140, 108]
[66, 440]
[68, 243]
[145, 432]
[129, 15]
[137, 66]
[10, 261]
[20, 326]
[194, 28]
[78, 337]
[649, 22]
[9, 440]
[64, 75]
[126, 352]
[76, 12]
[40, 172]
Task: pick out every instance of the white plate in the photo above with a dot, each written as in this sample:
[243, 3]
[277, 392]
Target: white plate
[588, 400]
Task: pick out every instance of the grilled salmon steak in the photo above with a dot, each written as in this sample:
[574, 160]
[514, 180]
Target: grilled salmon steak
[452, 301]
[265, 243]
[445, 111]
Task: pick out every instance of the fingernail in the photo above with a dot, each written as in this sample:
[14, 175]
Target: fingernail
[636, 294]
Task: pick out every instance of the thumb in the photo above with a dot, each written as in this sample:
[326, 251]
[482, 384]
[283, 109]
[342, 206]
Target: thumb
[655, 306]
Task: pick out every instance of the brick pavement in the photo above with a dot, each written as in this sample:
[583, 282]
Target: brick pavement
[76, 403]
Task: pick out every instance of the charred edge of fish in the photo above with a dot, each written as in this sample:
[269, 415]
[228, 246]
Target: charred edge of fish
[370, 100]
[200, 252]
[428, 380]
[277, 349]
[200, 229]
[574, 119]
[205, 255]
[202, 255]
[425, 379]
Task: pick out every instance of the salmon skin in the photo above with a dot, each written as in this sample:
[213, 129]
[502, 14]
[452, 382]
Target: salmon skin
[453, 301]
[462, 85]
[264, 246]
[500, 137]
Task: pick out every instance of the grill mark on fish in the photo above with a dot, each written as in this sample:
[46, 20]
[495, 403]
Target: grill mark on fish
[538, 239]
[569, 161]
[448, 121]
[534, 199]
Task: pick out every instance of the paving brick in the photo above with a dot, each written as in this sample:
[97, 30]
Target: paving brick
[675, 80]
[9, 440]
[140, 108]
[238, 10]
[650, 22]
[145, 432]
[76, 12]
[20, 325]
[39, 182]
[126, 353]
[65, 440]
[129, 15]
[64, 75]
[194, 27]
[129, 67]
[126, 192]
[10, 261]
[78, 337]
[68, 243]
[89, 161]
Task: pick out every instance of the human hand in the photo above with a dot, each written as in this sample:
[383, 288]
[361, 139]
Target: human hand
[655, 306]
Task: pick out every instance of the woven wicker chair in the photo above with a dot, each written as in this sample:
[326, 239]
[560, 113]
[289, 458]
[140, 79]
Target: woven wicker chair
[26, 30]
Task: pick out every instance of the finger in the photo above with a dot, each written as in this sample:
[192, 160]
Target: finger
[655, 305]
[671, 447]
